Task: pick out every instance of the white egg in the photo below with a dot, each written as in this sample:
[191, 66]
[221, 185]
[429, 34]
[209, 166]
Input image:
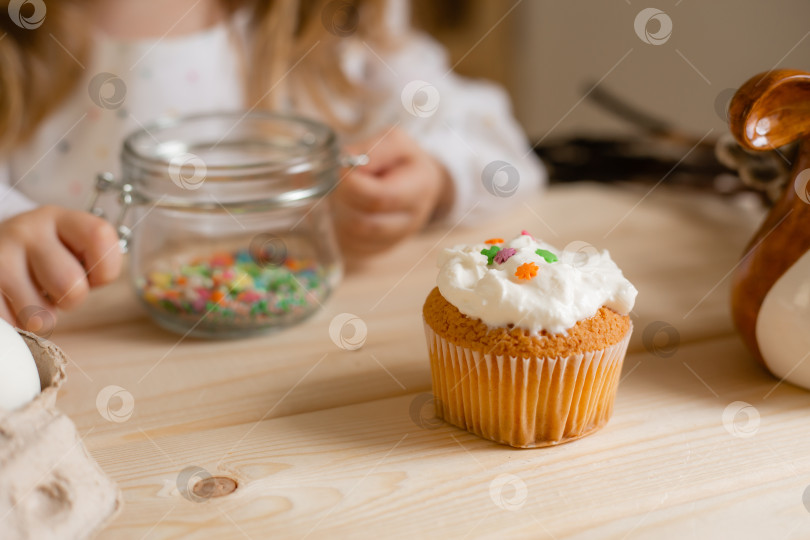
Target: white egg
[19, 379]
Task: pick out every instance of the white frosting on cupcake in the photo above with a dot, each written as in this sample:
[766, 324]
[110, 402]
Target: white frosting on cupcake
[563, 291]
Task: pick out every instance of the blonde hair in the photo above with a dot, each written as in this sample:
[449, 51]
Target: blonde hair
[34, 76]
[301, 39]
[292, 51]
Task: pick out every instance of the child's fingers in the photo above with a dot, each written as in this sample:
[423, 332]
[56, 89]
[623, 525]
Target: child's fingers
[363, 233]
[365, 192]
[393, 193]
[384, 150]
[20, 292]
[95, 242]
[6, 313]
[59, 274]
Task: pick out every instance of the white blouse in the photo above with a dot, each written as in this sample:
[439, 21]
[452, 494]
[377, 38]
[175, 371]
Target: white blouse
[467, 125]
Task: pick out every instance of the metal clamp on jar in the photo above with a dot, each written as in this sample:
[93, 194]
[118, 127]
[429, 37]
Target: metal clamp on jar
[226, 222]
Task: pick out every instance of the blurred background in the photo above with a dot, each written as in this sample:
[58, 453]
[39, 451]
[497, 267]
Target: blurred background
[548, 53]
[630, 90]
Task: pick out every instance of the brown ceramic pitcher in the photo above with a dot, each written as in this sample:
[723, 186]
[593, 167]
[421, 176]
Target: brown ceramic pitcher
[771, 285]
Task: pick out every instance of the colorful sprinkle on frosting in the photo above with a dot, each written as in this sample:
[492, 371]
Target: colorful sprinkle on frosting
[504, 255]
[528, 292]
[490, 253]
[547, 255]
[526, 271]
[494, 241]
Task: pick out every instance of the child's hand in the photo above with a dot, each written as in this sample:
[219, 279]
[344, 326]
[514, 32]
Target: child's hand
[50, 257]
[392, 197]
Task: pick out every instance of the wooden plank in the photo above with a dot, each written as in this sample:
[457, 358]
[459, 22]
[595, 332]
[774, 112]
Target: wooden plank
[665, 465]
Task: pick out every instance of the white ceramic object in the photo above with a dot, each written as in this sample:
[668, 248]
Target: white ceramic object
[783, 325]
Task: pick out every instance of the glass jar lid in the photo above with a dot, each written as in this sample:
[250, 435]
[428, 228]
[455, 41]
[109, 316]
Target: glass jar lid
[235, 161]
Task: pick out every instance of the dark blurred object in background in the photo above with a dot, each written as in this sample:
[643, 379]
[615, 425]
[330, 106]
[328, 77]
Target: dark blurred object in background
[662, 153]
[641, 158]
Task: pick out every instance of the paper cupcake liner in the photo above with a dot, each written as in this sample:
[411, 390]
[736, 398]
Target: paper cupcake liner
[524, 402]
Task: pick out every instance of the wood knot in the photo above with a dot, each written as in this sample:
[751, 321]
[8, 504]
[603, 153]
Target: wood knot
[214, 486]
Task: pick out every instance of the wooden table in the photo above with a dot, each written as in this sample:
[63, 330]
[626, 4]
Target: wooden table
[324, 442]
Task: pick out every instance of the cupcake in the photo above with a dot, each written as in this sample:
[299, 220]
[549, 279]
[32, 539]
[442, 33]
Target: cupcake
[526, 341]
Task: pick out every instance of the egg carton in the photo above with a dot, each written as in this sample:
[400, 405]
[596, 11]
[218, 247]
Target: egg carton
[50, 487]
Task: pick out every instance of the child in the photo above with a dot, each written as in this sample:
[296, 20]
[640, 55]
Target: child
[77, 75]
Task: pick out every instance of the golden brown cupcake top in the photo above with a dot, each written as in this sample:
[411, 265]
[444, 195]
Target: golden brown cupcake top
[604, 329]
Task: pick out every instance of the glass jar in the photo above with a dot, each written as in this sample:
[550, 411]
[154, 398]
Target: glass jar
[226, 221]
